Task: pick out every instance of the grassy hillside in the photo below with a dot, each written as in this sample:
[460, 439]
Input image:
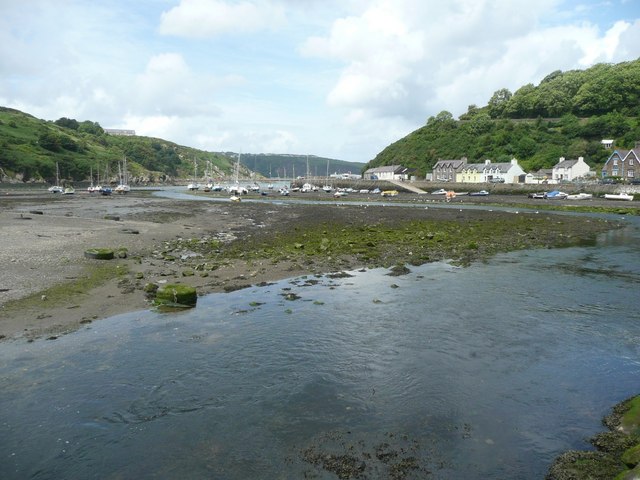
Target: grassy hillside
[567, 115]
[31, 147]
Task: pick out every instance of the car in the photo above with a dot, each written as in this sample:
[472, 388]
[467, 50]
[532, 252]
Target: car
[442, 191]
[497, 180]
[538, 195]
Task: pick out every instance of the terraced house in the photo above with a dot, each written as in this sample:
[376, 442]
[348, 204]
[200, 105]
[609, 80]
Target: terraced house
[446, 170]
[623, 164]
[503, 172]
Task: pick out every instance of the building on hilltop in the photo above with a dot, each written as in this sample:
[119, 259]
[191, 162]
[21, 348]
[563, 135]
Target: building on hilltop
[623, 164]
[119, 131]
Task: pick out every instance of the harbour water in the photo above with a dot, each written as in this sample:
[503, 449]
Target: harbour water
[488, 371]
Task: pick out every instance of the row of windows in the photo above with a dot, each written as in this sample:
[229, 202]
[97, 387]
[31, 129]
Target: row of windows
[630, 174]
[615, 161]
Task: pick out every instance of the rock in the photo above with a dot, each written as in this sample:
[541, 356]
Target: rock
[173, 294]
[99, 253]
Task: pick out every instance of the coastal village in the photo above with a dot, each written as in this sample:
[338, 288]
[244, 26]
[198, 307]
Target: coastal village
[622, 166]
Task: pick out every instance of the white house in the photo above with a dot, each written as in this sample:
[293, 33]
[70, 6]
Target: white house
[389, 172]
[569, 170]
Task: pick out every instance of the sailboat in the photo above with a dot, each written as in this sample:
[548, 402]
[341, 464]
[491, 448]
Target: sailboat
[207, 174]
[56, 188]
[124, 180]
[194, 185]
[92, 188]
[327, 188]
[236, 189]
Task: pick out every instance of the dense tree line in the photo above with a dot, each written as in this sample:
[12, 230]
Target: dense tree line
[600, 89]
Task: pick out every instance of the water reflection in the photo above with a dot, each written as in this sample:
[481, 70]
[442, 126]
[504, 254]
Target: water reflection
[491, 369]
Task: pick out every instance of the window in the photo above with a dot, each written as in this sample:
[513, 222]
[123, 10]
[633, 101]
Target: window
[615, 162]
[630, 173]
[631, 161]
[614, 173]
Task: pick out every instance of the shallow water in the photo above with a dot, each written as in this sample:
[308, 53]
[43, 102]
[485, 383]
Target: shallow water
[484, 372]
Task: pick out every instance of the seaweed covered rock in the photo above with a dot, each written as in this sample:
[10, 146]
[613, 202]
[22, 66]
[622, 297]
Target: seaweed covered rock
[176, 295]
[618, 450]
[100, 253]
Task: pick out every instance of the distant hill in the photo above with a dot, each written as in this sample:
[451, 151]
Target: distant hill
[566, 115]
[272, 165]
[31, 147]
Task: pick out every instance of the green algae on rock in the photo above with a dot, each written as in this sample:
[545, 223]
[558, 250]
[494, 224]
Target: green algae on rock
[174, 294]
[618, 450]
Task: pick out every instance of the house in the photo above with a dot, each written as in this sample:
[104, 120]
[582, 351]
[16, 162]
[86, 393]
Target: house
[569, 170]
[389, 172]
[623, 164]
[504, 172]
[471, 173]
[446, 170]
[541, 176]
[608, 144]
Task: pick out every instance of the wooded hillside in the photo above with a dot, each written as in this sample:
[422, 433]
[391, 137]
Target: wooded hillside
[566, 115]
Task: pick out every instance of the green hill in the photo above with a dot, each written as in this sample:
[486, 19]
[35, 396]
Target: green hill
[566, 115]
[31, 147]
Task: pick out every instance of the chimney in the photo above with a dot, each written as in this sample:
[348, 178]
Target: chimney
[514, 161]
[487, 162]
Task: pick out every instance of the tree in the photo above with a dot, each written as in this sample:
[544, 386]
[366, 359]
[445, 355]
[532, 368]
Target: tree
[498, 102]
[49, 141]
[92, 128]
[67, 123]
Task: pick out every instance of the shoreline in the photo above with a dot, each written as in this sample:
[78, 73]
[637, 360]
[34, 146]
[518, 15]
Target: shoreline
[48, 288]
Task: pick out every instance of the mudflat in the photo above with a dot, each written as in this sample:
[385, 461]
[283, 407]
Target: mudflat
[48, 286]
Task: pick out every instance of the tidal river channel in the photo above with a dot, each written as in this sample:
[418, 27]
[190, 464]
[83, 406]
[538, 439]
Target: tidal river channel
[483, 372]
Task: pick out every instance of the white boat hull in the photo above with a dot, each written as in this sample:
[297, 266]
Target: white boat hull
[618, 196]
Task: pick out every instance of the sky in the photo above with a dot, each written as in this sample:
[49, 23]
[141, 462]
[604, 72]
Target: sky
[334, 78]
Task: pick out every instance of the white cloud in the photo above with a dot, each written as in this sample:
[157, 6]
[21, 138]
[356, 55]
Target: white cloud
[208, 18]
[409, 59]
[340, 78]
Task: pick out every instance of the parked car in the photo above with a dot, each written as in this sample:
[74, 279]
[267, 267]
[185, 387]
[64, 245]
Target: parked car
[442, 191]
